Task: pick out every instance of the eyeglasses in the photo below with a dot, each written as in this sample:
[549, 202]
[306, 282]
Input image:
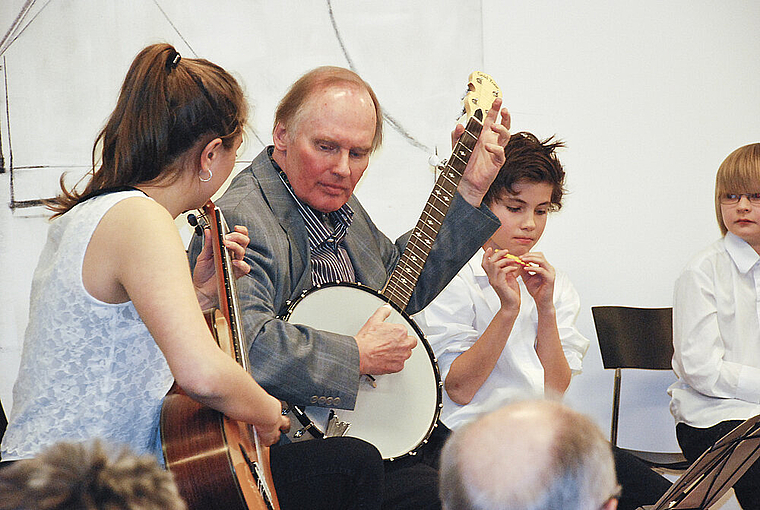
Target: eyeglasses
[733, 198]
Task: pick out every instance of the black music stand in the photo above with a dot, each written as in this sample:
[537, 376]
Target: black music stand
[715, 471]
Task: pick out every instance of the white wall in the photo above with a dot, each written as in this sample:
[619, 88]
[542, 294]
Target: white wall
[650, 96]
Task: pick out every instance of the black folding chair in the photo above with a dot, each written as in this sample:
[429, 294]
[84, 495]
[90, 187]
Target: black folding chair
[639, 338]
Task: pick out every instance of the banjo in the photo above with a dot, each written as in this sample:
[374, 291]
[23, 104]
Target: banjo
[394, 412]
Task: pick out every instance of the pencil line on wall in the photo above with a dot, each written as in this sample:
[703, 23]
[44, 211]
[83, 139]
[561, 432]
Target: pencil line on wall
[395, 124]
[195, 55]
[8, 124]
[2, 153]
[5, 44]
[175, 28]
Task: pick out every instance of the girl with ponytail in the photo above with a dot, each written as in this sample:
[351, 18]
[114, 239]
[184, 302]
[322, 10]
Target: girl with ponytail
[115, 314]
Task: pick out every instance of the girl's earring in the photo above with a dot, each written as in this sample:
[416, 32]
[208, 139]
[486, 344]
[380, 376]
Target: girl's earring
[200, 175]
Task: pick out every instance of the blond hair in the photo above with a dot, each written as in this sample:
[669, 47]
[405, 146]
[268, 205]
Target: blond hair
[739, 173]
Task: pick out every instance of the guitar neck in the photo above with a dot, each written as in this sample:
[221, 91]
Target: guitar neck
[228, 298]
[404, 277]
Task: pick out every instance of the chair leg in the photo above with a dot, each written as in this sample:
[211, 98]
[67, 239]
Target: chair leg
[615, 408]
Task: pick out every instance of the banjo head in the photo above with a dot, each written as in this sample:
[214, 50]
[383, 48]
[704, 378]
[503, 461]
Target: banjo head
[397, 412]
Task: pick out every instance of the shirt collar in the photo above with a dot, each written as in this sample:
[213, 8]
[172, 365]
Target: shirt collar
[476, 263]
[743, 255]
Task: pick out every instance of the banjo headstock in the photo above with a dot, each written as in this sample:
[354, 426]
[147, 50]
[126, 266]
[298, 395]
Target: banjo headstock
[482, 90]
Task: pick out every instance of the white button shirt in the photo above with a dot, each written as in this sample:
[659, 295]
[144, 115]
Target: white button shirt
[462, 312]
[716, 336]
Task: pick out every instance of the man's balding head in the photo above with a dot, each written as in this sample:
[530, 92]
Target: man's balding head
[528, 456]
[292, 106]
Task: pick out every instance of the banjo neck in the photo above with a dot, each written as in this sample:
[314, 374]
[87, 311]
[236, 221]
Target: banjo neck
[404, 277]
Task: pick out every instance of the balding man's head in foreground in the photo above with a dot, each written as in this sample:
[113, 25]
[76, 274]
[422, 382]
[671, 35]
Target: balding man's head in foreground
[528, 456]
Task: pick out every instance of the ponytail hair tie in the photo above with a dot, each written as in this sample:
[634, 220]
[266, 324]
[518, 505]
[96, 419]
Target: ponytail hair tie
[173, 60]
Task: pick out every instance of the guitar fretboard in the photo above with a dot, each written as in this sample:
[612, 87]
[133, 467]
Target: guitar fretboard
[228, 296]
[404, 277]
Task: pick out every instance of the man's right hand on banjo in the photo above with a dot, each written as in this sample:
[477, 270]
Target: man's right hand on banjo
[383, 346]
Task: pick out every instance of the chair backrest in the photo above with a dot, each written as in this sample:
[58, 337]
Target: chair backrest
[632, 337]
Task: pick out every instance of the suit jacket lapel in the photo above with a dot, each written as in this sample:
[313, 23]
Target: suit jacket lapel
[283, 207]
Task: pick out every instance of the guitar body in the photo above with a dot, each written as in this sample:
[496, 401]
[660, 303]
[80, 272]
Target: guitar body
[206, 453]
[217, 462]
[397, 414]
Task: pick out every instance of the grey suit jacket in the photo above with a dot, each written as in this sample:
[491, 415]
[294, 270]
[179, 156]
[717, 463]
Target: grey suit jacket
[293, 362]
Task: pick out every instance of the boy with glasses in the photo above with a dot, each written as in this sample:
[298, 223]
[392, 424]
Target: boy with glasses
[716, 322]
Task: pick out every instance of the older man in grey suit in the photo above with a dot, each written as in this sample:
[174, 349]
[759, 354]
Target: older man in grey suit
[307, 227]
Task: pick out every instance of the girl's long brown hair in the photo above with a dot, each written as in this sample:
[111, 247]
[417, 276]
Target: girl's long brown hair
[166, 105]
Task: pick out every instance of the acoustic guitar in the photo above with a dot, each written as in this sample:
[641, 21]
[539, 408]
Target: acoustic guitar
[217, 462]
[394, 412]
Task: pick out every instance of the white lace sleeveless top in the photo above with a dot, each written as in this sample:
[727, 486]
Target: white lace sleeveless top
[88, 368]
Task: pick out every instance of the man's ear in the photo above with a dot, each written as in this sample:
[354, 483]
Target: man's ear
[280, 137]
[210, 153]
[611, 504]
